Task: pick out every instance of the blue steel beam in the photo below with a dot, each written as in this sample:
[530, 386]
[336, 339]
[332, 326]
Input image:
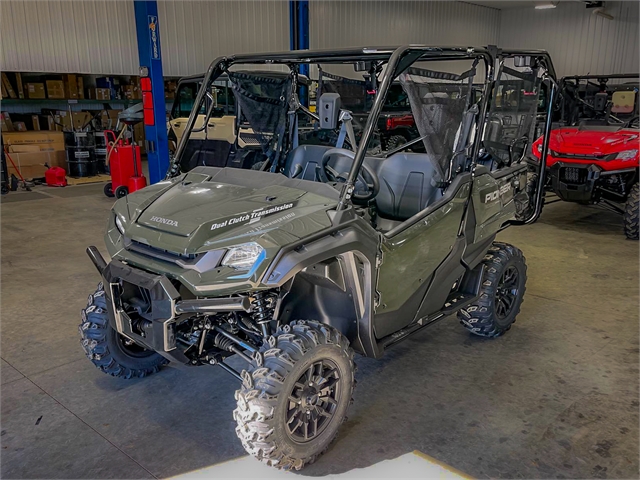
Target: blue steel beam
[299, 36]
[149, 54]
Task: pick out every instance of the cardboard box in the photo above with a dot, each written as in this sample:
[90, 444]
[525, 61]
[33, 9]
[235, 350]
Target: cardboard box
[128, 92]
[35, 90]
[137, 91]
[109, 119]
[23, 148]
[64, 120]
[80, 119]
[7, 86]
[55, 89]
[35, 122]
[20, 126]
[35, 164]
[19, 85]
[80, 87]
[7, 124]
[138, 136]
[99, 93]
[44, 140]
[47, 122]
[110, 83]
[71, 86]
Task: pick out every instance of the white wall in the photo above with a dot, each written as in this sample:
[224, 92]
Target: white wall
[98, 36]
[349, 23]
[68, 36]
[578, 41]
[194, 33]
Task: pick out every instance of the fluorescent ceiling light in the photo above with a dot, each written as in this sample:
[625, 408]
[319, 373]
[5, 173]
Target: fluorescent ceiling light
[545, 6]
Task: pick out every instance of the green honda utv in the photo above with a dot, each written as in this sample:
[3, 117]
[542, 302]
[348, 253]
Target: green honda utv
[323, 251]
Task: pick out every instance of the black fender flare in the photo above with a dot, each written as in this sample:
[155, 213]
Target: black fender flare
[352, 241]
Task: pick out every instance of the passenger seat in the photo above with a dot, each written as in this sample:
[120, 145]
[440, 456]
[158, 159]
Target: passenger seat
[409, 182]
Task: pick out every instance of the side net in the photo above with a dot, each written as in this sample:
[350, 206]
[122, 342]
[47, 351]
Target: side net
[263, 103]
[353, 93]
[512, 114]
[439, 103]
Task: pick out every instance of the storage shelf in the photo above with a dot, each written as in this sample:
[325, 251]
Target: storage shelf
[80, 101]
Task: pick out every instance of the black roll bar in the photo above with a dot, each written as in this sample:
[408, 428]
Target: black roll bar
[542, 168]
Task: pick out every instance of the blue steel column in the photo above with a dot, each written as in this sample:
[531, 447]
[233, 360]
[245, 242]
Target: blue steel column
[299, 37]
[149, 54]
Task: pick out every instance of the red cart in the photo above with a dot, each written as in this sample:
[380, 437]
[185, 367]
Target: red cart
[123, 158]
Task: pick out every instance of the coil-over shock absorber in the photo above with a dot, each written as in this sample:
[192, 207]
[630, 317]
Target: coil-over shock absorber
[261, 312]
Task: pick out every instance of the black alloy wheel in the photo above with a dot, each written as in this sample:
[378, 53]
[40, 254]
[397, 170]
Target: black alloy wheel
[507, 292]
[313, 401]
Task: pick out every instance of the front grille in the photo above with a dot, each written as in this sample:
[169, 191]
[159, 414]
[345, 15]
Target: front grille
[158, 253]
[579, 156]
[573, 175]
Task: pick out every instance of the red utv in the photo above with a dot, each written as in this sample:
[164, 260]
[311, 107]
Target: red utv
[594, 159]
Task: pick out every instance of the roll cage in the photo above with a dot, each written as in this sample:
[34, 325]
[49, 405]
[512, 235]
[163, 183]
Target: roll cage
[396, 60]
[588, 97]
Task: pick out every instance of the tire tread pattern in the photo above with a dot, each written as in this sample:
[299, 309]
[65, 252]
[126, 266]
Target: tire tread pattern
[631, 213]
[479, 317]
[258, 397]
[395, 141]
[95, 342]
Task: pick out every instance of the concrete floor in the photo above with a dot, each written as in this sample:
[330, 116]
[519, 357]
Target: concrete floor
[557, 397]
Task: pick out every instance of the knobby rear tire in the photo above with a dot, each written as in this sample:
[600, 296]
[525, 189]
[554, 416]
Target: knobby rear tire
[483, 316]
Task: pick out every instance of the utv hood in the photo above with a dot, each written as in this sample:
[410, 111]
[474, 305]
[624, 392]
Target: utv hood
[187, 206]
[210, 206]
[594, 140]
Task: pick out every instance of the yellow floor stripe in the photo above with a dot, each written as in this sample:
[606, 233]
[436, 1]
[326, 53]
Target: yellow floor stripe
[442, 464]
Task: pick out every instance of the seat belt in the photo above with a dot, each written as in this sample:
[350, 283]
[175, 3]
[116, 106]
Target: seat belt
[346, 129]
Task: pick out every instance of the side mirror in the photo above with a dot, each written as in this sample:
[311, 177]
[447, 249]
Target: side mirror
[329, 110]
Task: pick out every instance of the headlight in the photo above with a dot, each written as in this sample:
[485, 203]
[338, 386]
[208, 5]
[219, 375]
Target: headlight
[627, 155]
[539, 151]
[119, 224]
[242, 257]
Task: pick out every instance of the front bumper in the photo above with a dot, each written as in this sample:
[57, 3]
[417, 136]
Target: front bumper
[146, 307]
[153, 328]
[573, 182]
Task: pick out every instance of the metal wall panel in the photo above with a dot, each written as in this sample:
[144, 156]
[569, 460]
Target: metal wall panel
[96, 37]
[349, 23]
[194, 33]
[578, 41]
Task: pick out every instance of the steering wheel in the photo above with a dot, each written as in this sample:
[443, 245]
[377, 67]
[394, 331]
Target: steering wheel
[327, 174]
